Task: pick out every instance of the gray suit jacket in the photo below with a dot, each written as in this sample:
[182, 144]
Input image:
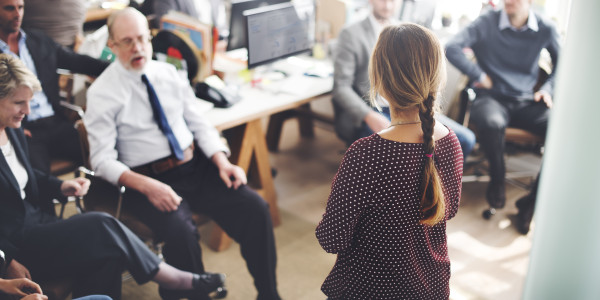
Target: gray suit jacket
[351, 77]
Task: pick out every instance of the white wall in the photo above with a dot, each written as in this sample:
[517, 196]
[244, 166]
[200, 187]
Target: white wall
[565, 257]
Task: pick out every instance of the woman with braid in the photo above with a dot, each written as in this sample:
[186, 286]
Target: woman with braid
[394, 191]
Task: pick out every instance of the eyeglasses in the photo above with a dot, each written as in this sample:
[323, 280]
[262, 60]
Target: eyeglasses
[129, 42]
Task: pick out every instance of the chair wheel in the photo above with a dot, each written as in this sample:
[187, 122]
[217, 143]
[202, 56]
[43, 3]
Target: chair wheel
[488, 213]
[220, 293]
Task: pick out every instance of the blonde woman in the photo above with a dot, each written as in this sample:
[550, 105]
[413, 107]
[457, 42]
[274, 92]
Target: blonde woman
[93, 247]
[394, 191]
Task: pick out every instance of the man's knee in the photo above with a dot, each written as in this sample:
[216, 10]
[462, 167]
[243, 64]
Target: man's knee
[490, 122]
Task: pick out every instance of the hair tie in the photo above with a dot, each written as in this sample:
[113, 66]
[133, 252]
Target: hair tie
[430, 155]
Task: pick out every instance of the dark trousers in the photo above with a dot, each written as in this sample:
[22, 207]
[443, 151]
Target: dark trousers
[52, 137]
[93, 248]
[242, 214]
[493, 114]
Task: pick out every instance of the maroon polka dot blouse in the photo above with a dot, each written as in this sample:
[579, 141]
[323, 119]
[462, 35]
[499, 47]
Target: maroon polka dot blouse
[372, 222]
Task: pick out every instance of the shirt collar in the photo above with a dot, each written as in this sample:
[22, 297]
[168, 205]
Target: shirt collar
[532, 22]
[22, 37]
[133, 74]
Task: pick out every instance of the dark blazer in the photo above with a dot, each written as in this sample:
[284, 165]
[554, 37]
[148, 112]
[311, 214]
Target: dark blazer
[48, 56]
[40, 190]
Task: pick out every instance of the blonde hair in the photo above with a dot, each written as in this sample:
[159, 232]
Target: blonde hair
[407, 69]
[13, 74]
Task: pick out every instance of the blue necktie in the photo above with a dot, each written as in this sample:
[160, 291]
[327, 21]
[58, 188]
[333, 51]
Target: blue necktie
[161, 119]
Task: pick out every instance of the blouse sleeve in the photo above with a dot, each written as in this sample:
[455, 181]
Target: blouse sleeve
[347, 202]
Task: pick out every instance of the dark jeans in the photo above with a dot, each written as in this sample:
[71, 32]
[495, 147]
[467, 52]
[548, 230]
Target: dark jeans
[493, 114]
[242, 214]
[52, 137]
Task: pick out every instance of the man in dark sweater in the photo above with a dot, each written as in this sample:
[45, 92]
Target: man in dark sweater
[50, 134]
[507, 44]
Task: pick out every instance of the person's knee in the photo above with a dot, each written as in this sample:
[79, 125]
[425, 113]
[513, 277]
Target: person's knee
[490, 122]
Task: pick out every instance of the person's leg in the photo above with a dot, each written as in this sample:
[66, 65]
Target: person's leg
[242, 214]
[96, 248]
[82, 243]
[533, 117]
[176, 229]
[465, 136]
[526, 207]
[491, 118]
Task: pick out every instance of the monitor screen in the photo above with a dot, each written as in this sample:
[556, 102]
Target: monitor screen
[237, 21]
[279, 31]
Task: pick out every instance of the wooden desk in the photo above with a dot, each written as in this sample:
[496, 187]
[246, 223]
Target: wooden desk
[247, 140]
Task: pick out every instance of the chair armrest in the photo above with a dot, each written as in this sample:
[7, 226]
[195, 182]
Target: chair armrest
[102, 195]
[73, 108]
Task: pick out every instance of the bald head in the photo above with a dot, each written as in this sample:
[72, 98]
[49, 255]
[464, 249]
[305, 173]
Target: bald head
[128, 13]
[129, 38]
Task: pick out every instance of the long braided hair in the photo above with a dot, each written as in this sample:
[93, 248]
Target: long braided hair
[407, 68]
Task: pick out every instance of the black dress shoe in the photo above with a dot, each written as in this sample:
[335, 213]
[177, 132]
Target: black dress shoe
[496, 195]
[525, 214]
[203, 285]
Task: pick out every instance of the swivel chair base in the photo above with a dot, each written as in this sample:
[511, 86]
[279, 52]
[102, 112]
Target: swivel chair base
[488, 213]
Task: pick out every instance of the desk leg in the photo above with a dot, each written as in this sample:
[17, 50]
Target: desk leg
[249, 151]
[305, 121]
[307, 128]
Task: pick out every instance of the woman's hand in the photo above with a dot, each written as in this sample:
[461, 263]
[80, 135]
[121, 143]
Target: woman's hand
[75, 187]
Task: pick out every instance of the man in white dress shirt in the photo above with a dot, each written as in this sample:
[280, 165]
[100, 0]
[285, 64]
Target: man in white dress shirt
[127, 147]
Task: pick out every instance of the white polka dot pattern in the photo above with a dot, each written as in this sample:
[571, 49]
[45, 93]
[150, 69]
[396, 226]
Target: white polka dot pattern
[372, 222]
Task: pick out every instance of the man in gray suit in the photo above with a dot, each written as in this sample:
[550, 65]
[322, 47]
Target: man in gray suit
[354, 117]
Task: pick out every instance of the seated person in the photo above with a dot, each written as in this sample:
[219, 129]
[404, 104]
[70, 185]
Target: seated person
[507, 44]
[94, 248]
[354, 117]
[146, 133]
[49, 133]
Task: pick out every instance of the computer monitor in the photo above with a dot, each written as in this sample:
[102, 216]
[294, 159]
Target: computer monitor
[279, 31]
[237, 22]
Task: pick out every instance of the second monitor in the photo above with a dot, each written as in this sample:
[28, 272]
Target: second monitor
[279, 31]
[237, 21]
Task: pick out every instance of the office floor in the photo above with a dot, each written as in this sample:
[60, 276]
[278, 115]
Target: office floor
[489, 258]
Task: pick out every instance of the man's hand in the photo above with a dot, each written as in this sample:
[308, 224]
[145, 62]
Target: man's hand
[485, 83]
[17, 270]
[27, 133]
[376, 121]
[543, 96]
[35, 297]
[161, 195]
[20, 287]
[75, 187]
[229, 171]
